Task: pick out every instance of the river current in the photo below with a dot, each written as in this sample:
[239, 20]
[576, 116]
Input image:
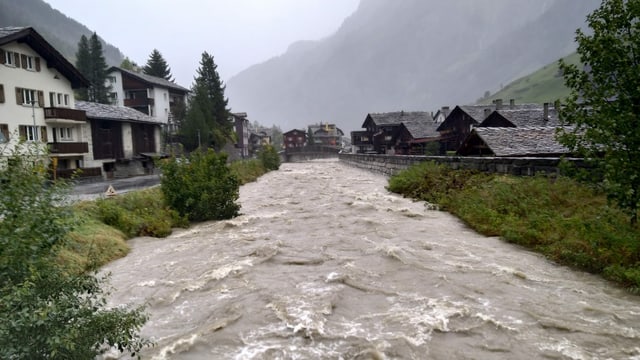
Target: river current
[324, 263]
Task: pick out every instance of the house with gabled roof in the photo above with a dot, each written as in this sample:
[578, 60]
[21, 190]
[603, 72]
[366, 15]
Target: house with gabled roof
[37, 104]
[154, 96]
[385, 128]
[546, 116]
[513, 142]
[417, 136]
[464, 118]
[124, 141]
[294, 139]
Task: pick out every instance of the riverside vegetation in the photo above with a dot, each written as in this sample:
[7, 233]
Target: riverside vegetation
[569, 221]
[53, 303]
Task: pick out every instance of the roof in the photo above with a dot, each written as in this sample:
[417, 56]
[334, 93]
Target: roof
[111, 112]
[292, 130]
[477, 112]
[519, 141]
[54, 59]
[150, 80]
[422, 129]
[527, 117]
[399, 117]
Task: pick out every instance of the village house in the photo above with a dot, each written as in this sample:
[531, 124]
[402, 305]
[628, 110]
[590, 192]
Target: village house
[326, 135]
[545, 116]
[124, 141]
[37, 103]
[418, 137]
[463, 118]
[154, 96]
[294, 139]
[383, 131]
[241, 127]
[513, 142]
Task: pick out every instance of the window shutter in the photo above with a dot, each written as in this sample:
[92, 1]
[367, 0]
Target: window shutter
[19, 99]
[3, 59]
[37, 63]
[43, 134]
[16, 58]
[22, 131]
[1, 93]
[23, 57]
[40, 98]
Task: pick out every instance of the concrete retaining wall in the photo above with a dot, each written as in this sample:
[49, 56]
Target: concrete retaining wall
[522, 166]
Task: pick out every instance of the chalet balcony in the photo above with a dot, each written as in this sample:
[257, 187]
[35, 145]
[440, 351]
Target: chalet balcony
[138, 102]
[68, 148]
[55, 113]
[77, 173]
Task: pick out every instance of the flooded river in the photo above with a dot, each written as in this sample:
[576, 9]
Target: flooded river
[324, 263]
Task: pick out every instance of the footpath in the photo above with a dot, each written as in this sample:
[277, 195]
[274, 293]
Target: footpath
[94, 190]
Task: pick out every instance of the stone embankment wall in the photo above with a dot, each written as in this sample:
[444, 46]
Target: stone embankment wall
[522, 166]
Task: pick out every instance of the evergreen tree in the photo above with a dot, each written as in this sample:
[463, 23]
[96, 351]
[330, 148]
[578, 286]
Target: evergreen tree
[604, 107]
[91, 63]
[157, 66]
[128, 64]
[83, 64]
[208, 101]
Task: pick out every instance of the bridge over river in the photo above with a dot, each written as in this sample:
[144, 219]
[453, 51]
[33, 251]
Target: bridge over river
[324, 263]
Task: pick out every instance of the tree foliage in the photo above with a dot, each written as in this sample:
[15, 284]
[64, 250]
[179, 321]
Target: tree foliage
[129, 64]
[208, 104]
[269, 157]
[46, 311]
[604, 107]
[157, 66]
[201, 187]
[91, 63]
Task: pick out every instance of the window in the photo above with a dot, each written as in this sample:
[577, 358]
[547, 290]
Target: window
[4, 133]
[29, 97]
[29, 63]
[112, 79]
[1, 93]
[59, 99]
[64, 134]
[387, 138]
[66, 99]
[52, 99]
[29, 133]
[10, 58]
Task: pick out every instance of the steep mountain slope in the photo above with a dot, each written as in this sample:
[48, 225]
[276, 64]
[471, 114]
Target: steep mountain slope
[543, 85]
[58, 29]
[407, 55]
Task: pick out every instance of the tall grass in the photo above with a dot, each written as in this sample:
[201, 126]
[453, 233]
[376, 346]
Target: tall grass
[569, 222]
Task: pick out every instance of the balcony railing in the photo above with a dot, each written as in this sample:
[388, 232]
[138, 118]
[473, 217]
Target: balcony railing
[78, 173]
[138, 102]
[51, 113]
[68, 148]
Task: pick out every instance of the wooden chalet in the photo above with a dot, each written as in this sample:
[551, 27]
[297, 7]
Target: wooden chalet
[294, 139]
[512, 142]
[416, 136]
[362, 142]
[384, 129]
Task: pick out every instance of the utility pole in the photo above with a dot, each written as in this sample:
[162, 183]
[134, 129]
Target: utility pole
[35, 128]
[199, 145]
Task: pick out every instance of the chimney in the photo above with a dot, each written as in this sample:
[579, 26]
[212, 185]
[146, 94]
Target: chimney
[498, 103]
[545, 111]
[512, 103]
[487, 112]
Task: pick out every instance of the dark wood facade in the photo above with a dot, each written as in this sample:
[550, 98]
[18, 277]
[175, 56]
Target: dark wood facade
[107, 139]
[455, 129]
[294, 139]
[144, 140]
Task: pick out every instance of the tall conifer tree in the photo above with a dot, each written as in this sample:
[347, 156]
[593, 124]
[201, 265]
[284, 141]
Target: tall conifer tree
[83, 63]
[91, 63]
[209, 101]
[157, 66]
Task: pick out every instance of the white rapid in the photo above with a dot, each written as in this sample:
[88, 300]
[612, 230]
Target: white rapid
[324, 263]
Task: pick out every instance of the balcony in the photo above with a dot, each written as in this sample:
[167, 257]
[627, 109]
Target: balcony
[54, 113]
[138, 102]
[68, 147]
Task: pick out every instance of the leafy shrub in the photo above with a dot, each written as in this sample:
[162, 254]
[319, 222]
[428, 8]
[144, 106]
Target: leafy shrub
[139, 213]
[201, 187]
[47, 311]
[247, 170]
[269, 158]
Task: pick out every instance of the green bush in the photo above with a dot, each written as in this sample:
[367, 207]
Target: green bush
[139, 213]
[247, 170]
[201, 187]
[269, 158]
[47, 311]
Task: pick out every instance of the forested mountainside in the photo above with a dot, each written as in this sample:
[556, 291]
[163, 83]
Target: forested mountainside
[58, 29]
[408, 55]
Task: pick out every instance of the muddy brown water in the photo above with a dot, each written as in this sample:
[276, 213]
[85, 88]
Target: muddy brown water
[324, 263]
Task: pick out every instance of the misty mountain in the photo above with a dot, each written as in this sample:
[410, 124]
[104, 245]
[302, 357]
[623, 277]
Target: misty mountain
[407, 55]
[58, 29]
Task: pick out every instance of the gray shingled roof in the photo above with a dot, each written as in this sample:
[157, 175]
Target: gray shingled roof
[422, 129]
[10, 30]
[520, 141]
[530, 117]
[393, 118]
[477, 111]
[151, 79]
[111, 112]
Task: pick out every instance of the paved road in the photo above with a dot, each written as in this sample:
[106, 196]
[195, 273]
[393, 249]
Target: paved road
[95, 190]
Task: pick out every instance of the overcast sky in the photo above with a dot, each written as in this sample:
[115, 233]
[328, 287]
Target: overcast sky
[238, 33]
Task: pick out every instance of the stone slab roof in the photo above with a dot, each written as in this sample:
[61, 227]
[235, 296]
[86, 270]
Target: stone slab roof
[530, 117]
[520, 141]
[397, 118]
[421, 129]
[111, 112]
[153, 80]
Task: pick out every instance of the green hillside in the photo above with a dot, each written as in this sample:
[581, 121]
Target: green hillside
[544, 85]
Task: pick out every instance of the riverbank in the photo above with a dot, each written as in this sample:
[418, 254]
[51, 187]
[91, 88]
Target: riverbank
[568, 222]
